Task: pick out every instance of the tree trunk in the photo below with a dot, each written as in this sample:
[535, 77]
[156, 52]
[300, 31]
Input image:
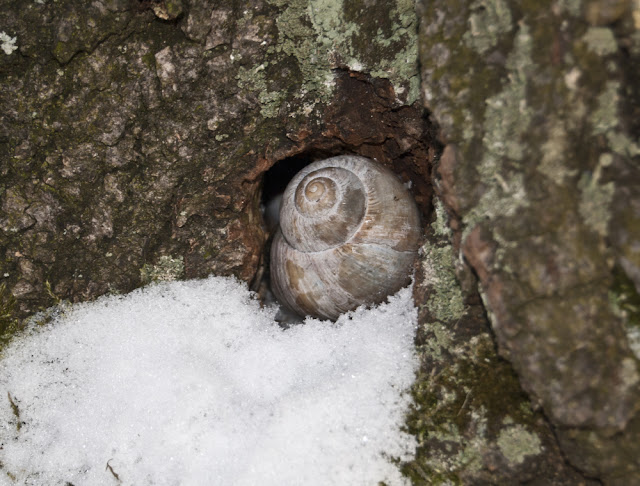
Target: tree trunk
[537, 108]
[136, 135]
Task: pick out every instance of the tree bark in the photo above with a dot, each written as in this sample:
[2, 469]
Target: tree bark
[537, 107]
[136, 134]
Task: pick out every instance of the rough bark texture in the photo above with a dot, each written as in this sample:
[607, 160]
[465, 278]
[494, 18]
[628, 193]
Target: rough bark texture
[135, 136]
[537, 105]
[473, 421]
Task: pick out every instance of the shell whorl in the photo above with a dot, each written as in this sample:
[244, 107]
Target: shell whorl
[322, 208]
[349, 233]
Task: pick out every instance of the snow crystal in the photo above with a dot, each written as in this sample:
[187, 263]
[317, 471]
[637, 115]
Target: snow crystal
[192, 383]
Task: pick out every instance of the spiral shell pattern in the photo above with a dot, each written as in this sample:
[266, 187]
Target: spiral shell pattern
[324, 209]
[349, 233]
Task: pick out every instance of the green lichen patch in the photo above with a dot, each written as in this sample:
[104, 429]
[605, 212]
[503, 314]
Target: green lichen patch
[516, 442]
[623, 145]
[488, 21]
[624, 301]
[605, 117]
[446, 303]
[553, 150]
[507, 118]
[325, 34]
[573, 7]
[167, 269]
[605, 120]
[254, 78]
[600, 40]
[440, 225]
[596, 198]
[508, 115]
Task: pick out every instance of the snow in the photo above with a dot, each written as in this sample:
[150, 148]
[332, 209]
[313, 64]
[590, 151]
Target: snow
[192, 383]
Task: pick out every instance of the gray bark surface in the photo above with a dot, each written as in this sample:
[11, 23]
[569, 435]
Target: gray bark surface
[135, 137]
[537, 106]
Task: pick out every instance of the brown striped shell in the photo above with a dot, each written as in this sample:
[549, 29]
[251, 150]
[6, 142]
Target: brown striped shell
[349, 234]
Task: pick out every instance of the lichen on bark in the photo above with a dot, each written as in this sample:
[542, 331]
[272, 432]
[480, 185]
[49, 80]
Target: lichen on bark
[473, 422]
[136, 131]
[539, 150]
[135, 137]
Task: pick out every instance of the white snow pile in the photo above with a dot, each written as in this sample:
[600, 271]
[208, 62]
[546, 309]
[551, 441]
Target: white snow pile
[192, 383]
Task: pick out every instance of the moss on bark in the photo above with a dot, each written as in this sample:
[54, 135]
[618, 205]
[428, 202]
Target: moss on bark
[531, 105]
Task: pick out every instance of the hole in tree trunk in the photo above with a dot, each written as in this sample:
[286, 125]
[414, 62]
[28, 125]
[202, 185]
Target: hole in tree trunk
[275, 182]
[364, 119]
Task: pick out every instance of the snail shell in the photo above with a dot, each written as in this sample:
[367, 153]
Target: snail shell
[349, 234]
